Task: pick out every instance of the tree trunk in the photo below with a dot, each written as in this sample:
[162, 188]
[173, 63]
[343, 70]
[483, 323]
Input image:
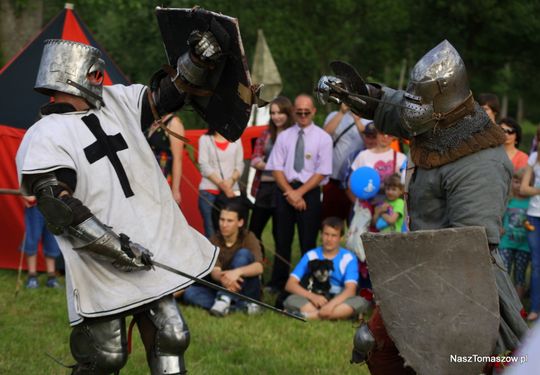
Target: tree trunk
[386, 73]
[19, 24]
[520, 109]
[402, 74]
[504, 106]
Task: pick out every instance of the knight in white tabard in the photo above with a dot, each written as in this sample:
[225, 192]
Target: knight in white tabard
[103, 194]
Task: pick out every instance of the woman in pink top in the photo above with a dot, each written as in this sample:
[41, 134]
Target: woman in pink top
[513, 138]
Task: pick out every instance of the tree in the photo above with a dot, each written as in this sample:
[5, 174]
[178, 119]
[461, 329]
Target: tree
[20, 21]
[376, 36]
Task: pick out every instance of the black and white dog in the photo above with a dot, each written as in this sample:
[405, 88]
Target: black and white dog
[317, 280]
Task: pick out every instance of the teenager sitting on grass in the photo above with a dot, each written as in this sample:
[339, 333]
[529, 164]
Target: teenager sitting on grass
[306, 283]
[238, 267]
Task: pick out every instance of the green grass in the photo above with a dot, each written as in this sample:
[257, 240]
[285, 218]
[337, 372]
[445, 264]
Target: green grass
[35, 322]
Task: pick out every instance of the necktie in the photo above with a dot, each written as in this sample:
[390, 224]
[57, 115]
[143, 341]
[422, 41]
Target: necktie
[299, 152]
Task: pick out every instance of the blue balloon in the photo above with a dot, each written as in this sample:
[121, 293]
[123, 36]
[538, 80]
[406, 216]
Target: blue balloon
[365, 182]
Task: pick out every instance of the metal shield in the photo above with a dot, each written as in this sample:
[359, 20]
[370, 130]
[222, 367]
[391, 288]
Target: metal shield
[228, 109]
[437, 295]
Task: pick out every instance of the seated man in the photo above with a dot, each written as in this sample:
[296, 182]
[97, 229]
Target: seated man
[340, 300]
[238, 267]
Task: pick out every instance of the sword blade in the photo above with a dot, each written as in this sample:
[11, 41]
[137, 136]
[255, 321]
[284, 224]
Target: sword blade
[10, 191]
[222, 289]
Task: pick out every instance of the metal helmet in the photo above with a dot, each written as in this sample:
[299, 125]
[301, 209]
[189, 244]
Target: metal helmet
[438, 86]
[65, 66]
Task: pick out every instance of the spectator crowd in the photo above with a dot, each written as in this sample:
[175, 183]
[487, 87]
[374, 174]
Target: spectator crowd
[302, 181]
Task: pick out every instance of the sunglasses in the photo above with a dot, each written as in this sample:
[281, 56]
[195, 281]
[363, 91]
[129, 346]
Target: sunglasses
[303, 114]
[509, 131]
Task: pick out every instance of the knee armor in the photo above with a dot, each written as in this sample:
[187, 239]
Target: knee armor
[99, 348]
[171, 338]
[363, 343]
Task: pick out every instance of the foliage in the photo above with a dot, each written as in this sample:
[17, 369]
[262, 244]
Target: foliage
[35, 323]
[495, 38]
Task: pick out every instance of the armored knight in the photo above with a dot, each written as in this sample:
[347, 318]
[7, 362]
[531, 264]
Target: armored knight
[460, 177]
[102, 193]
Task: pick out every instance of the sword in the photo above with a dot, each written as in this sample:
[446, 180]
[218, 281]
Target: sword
[222, 289]
[10, 192]
[356, 97]
[328, 86]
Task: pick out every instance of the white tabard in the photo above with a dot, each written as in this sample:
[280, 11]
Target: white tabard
[149, 216]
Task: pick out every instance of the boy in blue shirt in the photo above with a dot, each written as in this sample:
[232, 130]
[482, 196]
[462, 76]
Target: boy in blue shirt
[342, 303]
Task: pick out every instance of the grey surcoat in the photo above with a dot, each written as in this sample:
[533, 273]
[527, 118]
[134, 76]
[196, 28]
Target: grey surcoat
[469, 191]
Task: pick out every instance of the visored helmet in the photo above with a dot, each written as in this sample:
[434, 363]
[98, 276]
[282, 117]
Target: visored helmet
[438, 91]
[66, 65]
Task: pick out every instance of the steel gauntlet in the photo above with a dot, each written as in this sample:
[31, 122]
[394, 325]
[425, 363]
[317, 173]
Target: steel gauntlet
[192, 67]
[100, 240]
[65, 214]
[349, 88]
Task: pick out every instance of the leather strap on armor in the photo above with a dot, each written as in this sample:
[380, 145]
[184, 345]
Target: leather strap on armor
[444, 120]
[158, 119]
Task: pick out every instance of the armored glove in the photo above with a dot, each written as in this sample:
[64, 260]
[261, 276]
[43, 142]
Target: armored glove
[204, 46]
[192, 67]
[348, 87]
[135, 256]
[103, 243]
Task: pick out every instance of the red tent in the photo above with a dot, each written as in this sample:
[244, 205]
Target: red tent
[19, 108]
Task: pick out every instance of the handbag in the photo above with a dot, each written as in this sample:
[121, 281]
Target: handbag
[359, 224]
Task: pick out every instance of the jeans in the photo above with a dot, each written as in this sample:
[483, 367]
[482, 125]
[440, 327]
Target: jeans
[36, 229]
[202, 296]
[534, 245]
[520, 260]
[206, 202]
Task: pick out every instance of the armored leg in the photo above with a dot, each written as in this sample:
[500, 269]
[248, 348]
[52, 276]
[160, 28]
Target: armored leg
[99, 347]
[384, 358]
[363, 344]
[166, 337]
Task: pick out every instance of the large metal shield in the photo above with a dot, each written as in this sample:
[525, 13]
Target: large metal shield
[229, 108]
[437, 295]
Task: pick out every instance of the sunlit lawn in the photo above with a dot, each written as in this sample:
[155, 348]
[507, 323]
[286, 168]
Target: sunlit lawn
[35, 323]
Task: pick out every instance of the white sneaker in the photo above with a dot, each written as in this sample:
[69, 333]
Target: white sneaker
[253, 308]
[220, 307]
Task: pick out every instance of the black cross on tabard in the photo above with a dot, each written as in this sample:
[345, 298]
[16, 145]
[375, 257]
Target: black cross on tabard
[107, 146]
